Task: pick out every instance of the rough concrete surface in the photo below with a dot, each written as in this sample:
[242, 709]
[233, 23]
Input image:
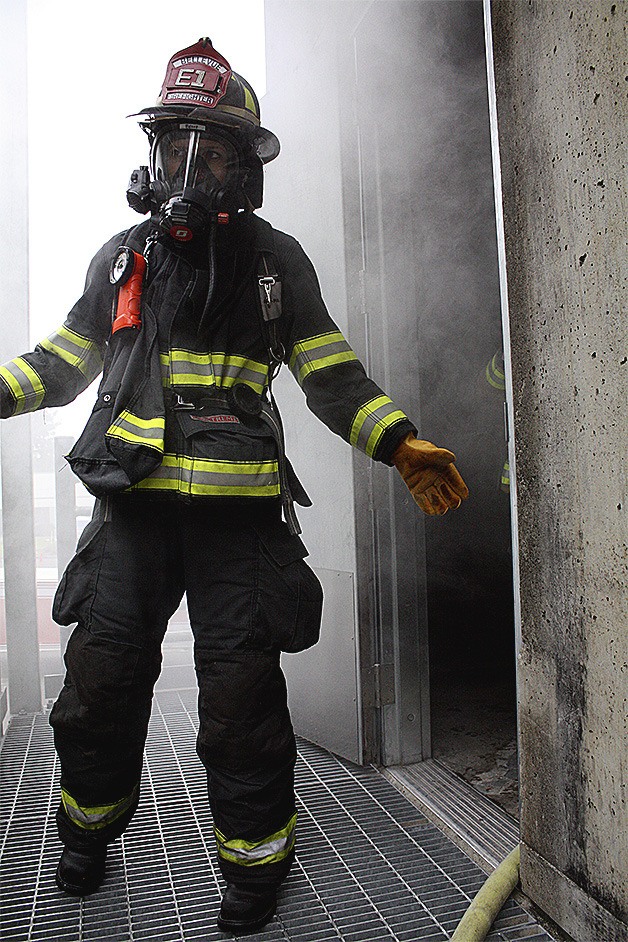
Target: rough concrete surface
[561, 100]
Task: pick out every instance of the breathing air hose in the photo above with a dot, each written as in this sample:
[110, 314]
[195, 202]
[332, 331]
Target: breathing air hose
[481, 914]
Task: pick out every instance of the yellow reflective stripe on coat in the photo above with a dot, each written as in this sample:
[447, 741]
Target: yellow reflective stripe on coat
[204, 477]
[371, 421]
[80, 352]
[319, 353]
[189, 368]
[132, 428]
[25, 384]
[253, 853]
[505, 478]
[91, 818]
[236, 369]
[495, 374]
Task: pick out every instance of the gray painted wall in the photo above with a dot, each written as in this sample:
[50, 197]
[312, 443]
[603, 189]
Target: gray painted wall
[560, 79]
[15, 436]
[303, 197]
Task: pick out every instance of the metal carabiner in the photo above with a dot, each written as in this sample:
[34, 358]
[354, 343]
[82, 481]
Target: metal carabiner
[180, 403]
[267, 283]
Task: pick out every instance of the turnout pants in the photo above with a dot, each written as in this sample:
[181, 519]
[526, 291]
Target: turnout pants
[249, 595]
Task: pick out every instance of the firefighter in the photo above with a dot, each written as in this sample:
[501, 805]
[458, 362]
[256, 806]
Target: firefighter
[188, 316]
[496, 378]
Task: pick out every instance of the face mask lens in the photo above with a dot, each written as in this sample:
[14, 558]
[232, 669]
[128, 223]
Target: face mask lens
[215, 160]
[170, 159]
[193, 158]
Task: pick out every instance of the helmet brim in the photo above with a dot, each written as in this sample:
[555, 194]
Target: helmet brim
[265, 144]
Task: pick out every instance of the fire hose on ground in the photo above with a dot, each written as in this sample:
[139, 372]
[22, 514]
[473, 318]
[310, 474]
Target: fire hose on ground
[481, 914]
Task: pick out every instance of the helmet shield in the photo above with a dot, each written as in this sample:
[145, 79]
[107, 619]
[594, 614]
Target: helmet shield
[194, 156]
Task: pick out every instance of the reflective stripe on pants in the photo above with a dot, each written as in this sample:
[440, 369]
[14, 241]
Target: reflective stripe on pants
[122, 587]
[254, 853]
[98, 817]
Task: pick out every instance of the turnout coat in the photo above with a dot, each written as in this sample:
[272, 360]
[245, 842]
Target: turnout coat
[164, 422]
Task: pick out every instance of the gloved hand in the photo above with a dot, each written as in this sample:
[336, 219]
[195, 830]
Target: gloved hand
[430, 475]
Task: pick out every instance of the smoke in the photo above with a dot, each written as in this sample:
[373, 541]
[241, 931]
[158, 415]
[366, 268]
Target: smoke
[386, 177]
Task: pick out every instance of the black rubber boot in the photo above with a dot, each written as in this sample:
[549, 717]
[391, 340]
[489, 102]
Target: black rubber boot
[246, 909]
[80, 874]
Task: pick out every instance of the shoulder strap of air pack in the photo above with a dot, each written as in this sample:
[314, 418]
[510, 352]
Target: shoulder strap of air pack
[269, 290]
[268, 281]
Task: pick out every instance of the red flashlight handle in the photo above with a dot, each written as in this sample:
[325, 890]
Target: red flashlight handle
[130, 297]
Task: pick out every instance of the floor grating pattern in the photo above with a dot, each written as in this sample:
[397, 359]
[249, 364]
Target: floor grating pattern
[370, 866]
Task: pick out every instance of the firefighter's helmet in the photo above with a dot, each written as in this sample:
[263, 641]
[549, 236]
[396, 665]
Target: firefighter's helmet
[207, 143]
[200, 85]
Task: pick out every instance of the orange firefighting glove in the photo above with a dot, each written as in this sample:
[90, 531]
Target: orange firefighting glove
[430, 475]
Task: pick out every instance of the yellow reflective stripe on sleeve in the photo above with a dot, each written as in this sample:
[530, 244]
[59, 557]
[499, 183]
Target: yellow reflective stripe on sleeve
[91, 818]
[25, 384]
[494, 374]
[505, 478]
[319, 353]
[204, 477]
[80, 352]
[132, 428]
[371, 421]
[254, 853]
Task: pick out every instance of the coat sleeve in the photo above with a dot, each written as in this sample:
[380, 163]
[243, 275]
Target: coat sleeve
[336, 386]
[64, 364]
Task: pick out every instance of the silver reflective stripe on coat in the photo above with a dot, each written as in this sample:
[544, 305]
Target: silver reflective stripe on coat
[204, 477]
[189, 368]
[24, 383]
[131, 428]
[319, 353]
[235, 369]
[371, 421]
[80, 352]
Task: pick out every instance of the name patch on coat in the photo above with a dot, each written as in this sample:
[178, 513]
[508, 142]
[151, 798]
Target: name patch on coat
[217, 419]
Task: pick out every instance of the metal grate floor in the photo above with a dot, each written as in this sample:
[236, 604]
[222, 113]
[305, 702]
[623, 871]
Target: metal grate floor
[370, 866]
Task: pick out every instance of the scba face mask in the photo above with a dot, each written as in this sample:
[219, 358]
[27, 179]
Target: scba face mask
[200, 86]
[195, 178]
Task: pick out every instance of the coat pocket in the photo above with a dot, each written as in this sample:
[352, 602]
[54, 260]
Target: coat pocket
[289, 595]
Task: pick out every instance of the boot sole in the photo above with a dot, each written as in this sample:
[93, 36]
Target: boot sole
[239, 926]
[72, 889]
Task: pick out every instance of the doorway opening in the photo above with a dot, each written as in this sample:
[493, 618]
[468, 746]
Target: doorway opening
[422, 246]
[472, 649]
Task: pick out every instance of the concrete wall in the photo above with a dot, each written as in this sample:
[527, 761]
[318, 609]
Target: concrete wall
[561, 105]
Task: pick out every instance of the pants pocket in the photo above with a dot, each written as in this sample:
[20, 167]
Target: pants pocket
[289, 595]
[75, 594]
[104, 673]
